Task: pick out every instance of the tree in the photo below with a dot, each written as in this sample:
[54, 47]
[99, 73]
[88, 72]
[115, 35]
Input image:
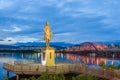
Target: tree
[103, 64]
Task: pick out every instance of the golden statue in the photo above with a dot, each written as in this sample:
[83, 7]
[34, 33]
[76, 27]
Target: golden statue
[47, 34]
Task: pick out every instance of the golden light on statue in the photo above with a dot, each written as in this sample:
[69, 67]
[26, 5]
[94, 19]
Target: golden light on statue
[47, 53]
[47, 34]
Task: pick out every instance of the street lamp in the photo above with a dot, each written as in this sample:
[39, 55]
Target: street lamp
[104, 73]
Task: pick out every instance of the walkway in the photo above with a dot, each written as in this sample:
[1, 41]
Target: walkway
[64, 68]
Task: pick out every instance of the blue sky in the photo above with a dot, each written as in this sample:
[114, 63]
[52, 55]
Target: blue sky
[73, 21]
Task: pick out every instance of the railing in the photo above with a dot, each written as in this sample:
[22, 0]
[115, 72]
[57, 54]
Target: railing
[38, 68]
[99, 72]
[62, 68]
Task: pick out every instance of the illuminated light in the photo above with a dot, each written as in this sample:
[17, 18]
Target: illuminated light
[67, 56]
[62, 55]
[75, 58]
[112, 62]
[97, 62]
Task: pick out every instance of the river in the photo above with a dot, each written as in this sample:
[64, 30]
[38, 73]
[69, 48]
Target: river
[91, 60]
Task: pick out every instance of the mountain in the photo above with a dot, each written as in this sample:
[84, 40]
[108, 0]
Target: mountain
[30, 44]
[8, 46]
[112, 42]
[60, 44]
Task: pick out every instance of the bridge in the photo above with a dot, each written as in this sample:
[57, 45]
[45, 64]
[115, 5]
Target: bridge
[88, 47]
[64, 68]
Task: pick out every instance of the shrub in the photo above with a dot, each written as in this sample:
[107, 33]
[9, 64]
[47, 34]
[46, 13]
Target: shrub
[103, 64]
[118, 67]
[84, 77]
[111, 66]
[46, 76]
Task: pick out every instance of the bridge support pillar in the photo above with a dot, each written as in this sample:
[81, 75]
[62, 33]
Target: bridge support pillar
[17, 77]
[114, 79]
[7, 75]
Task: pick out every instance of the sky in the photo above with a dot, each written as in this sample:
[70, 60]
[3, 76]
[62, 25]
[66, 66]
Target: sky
[71, 21]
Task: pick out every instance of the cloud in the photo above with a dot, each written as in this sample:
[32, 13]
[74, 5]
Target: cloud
[70, 20]
[13, 40]
[5, 4]
[14, 29]
[63, 34]
[1, 40]
[108, 9]
[8, 41]
[21, 39]
[26, 39]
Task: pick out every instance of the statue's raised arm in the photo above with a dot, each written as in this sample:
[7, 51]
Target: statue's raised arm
[47, 34]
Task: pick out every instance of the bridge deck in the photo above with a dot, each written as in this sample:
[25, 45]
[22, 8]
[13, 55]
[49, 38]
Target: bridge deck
[38, 69]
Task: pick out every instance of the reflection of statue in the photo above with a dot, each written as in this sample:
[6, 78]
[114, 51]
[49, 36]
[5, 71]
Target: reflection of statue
[47, 34]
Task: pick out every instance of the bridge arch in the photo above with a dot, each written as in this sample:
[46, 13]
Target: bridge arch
[91, 45]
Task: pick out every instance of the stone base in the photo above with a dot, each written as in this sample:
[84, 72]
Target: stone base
[48, 56]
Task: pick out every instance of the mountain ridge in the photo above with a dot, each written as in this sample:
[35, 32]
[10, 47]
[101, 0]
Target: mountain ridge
[55, 44]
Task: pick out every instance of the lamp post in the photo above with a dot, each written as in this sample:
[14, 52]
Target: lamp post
[104, 73]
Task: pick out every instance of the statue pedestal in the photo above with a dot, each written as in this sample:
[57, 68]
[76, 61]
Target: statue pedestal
[48, 56]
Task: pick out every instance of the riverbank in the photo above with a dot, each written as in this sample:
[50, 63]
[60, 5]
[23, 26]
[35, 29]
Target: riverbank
[20, 51]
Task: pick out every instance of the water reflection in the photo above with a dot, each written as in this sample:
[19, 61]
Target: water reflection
[10, 57]
[90, 60]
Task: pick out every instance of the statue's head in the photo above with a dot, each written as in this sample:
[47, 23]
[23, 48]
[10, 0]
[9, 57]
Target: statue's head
[47, 24]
